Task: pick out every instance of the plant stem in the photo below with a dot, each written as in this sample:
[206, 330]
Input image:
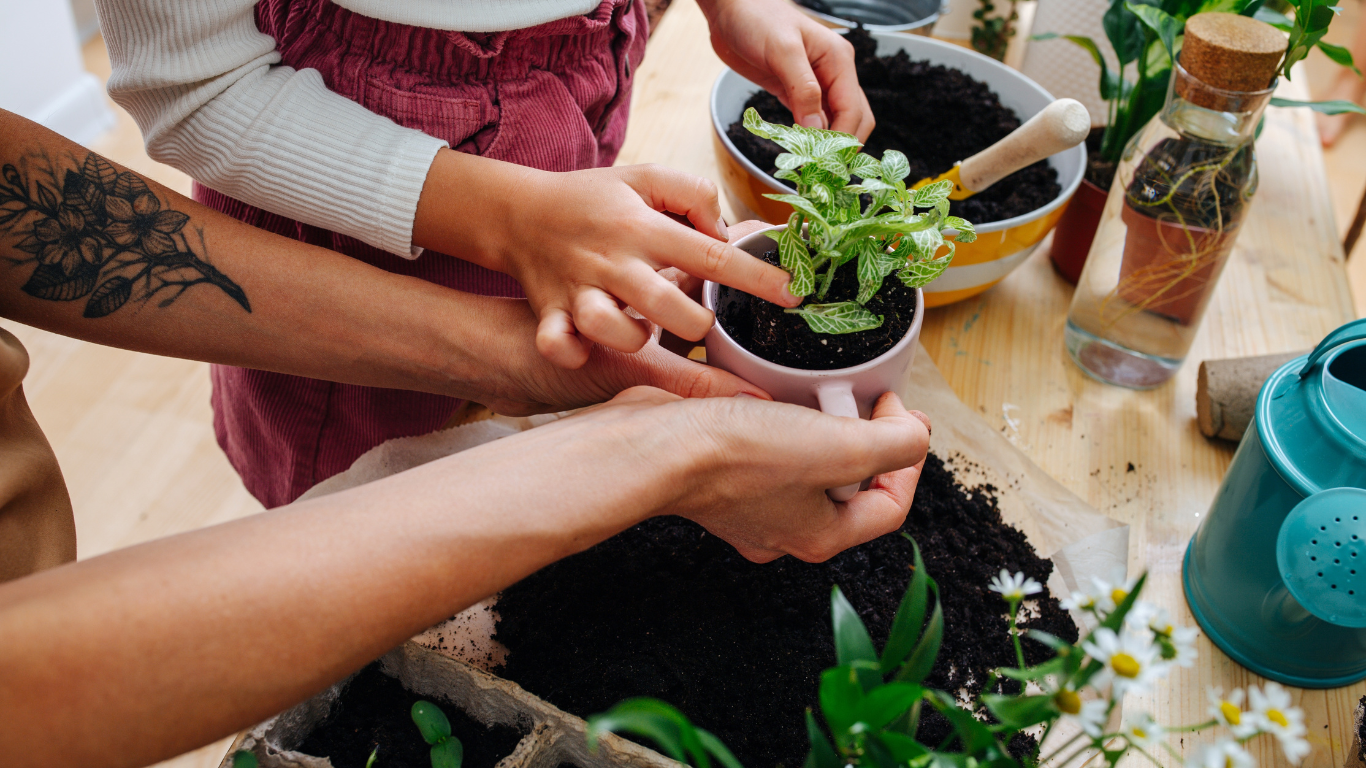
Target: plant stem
[1197, 727]
[1015, 634]
[828, 280]
[1061, 749]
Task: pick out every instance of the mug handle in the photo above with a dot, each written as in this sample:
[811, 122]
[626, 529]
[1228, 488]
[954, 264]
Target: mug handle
[837, 399]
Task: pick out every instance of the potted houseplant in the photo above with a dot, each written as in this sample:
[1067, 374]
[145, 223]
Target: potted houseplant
[854, 336]
[872, 703]
[938, 104]
[1147, 36]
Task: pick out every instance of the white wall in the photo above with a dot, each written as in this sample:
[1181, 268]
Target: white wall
[41, 74]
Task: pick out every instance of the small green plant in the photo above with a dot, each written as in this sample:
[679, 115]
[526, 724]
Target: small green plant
[991, 34]
[871, 703]
[831, 226]
[1147, 35]
[447, 751]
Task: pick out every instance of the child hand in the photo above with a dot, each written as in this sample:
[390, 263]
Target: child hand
[808, 67]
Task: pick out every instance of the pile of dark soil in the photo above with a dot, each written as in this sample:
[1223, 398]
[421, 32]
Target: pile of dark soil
[374, 710]
[667, 610]
[766, 330]
[937, 116]
[1099, 172]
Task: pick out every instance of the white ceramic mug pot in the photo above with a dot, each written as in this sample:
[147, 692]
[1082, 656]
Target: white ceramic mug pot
[850, 392]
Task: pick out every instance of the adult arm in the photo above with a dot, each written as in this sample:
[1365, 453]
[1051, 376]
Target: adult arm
[93, 251]
[144, 653]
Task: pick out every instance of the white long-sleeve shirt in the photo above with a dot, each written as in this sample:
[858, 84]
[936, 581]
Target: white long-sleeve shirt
[212, 99]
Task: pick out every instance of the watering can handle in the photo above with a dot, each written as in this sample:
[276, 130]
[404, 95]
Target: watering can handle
[1352, 331]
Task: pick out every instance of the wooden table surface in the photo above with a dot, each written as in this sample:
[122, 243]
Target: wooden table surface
[1135, 456]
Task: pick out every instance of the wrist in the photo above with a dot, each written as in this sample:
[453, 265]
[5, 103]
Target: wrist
[467, 205]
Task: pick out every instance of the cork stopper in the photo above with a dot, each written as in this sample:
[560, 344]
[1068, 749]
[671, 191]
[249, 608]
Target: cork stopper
[1231, 53]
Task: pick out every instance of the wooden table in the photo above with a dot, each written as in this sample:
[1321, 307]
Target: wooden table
[1135, 456]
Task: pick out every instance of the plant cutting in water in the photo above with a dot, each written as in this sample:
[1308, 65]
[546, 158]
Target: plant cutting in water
[832, 225]
[1147, 35]
[871, 702]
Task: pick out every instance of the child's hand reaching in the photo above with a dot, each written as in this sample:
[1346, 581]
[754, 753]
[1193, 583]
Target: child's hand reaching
[585, 245]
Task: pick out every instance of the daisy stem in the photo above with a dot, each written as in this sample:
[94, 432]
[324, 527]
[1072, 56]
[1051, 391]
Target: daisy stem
[1144, 752]
[1197, 727]
[1015, 634]
[1061, 749]
[1077, 752]
[1173, 751]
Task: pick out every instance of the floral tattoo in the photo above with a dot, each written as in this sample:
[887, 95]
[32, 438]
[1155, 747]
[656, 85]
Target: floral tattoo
[100, 235]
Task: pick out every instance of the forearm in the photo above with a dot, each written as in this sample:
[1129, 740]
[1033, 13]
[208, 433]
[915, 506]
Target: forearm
[135, 656]
[227, 292]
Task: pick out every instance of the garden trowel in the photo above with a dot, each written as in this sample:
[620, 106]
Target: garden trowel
[1059, 126]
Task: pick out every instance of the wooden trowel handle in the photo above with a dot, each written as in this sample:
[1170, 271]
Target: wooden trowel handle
[1061, 125]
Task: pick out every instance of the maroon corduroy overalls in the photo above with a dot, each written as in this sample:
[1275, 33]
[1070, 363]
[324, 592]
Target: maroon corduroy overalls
[553, 97]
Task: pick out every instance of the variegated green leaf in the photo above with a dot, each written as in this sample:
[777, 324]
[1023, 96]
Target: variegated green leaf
[917, 274]
[788, 161]
[840, 317]
[870, 185]
[929, 195]
[966, 232]
[874, 265]
[924, 243]
[865, 166]
[832, 165]
[942, 206]
[786, 175]
[801, 204]
[895, 165]
[830, 142]
[795, 258]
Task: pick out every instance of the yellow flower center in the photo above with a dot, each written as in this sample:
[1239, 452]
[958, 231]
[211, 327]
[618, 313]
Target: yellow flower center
[1231, 713]
[1125, 665]
[1277, 717]
[1067, 701]
[1118, 595]
[1140, 733]
[1228, 761]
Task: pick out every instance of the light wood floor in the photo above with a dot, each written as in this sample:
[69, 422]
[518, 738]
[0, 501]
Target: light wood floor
[133, 432]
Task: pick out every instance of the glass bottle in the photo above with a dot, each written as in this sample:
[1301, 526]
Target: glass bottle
[1179, 197]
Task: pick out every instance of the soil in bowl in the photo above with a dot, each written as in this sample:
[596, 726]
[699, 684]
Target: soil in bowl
[779, 337]
[667, 610]
[374, 710]
[937, 116]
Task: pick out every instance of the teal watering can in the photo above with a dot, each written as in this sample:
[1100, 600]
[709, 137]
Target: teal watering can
[1276, 573]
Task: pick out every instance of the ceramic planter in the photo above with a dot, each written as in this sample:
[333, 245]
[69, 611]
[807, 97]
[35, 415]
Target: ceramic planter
[913, 16]
[849, 392]
[1001, 246]
[1075, 231]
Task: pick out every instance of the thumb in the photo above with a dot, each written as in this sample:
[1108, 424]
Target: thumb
[657, 367]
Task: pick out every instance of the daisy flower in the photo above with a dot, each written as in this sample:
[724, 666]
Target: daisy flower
[1014, 588]
[1131, 663]
[1093, 598]
[1222, 754]
[1142, 731]
[1090, 715]
[1228, 710]
[1273, 713]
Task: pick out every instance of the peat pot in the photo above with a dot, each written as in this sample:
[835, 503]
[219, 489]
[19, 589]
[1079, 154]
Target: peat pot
[1001, 246]
[850, 392]
[1276, 573]
[914, 16]
[1075, 231]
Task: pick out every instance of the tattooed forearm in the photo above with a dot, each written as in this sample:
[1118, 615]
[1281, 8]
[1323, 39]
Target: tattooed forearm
[101, 235]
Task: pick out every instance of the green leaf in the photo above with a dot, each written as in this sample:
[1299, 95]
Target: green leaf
[975, 735]
[921, 660]
[822, 753]
[802, 205]
[841, 317]
[1275, 18]
[1165, 26]
[1107, 85]
[243, 759]
[903, 748]
[865, 166]
[1020, 712]
[886, 703]
[448, 754]
[1116, 618]
[788, 161]
[431, 721]
[895, 165]
[795, 257]
[910, 614]
[840, 695]
[931, 195]
[373, 758]
[1339, 55]
[1125, 33]
[833, 166]
[967, 233]
[1337, 107]
[925, 244]
[792, 176]
[852, 642]
[716, 749]
[654, 720]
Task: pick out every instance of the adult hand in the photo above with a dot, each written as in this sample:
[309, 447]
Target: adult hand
[585, 245]
[756, 471]
[806, 65]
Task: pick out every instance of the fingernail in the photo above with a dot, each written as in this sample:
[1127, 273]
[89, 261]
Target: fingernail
[721, 227]
[814, 120]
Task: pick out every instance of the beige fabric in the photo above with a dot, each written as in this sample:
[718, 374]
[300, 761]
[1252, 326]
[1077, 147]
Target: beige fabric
[37, 529]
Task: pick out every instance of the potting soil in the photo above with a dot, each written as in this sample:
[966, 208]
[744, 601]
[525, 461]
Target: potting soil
[375, 710]
[669, 611]
[937, 116]
[777, 336]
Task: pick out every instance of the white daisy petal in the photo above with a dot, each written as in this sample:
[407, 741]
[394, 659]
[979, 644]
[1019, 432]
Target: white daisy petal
[1228, 710]
[1271, 710]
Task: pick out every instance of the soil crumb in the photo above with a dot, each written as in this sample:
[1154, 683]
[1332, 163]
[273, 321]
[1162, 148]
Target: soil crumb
[669, 611]
[937, 116]
[374, 710]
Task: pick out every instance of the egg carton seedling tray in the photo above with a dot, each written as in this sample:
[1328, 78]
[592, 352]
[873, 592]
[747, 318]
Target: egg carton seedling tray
[553, 737]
